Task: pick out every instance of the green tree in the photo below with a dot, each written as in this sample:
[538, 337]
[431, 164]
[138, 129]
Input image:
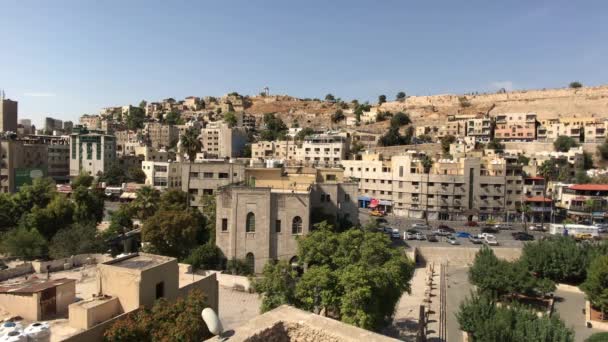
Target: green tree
[575, 85]
[146, 203]
[174, 118]
[598, 337]
[495, 145]
[79, 238]
[564, 143]
[205, 257]
[383, 116]
[135, 118]
[400, 96]
[581, 177]
[23, 242]
[523, 160]
[39, 193]
[143, 104]
[48, 220]
[464, 102]
[113, 176]
[602, 150]
[277, 285]
[557, 258]
[337, 116]
[88, 205]
[445, 143]
[83, 179]
[191, 144]
[135, 174]
[381, 99]
[424, 138]
[587, 161]
[239, 267]
[230, 119]
[275, 128]
[8, 212]
[120, 221]
[596, 284]
[171, 233]
[307, 131]
[330, 98]
[400, 119]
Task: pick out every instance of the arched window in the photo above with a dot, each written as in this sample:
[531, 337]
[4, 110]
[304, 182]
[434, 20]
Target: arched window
[250, 223]
[250, 260]
[296, 225]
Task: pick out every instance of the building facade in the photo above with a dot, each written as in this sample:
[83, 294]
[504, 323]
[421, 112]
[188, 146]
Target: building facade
[20, 163]
[204, 178]
[479, 129]
[261, 221]
[160, 135]
[516, 127]
[8, 114]
[91, 152]
[162, 175]
[221, 141]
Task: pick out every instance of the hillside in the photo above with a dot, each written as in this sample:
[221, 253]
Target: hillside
[547, 103]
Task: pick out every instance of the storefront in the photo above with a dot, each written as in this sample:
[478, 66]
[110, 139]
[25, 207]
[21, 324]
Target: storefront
[364, 201]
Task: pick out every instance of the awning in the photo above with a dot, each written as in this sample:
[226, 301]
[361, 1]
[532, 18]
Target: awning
[365, 198]
[373, 203]
[382, 202]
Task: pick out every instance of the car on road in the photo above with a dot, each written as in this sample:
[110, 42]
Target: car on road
[420, 226]
[452, 240]
[387, 229]
[376, 213]
[420, 236]
[441, 232]
[601, 227]
[463, 235]
[395, 234]
[580, 237]
[431, 238]
[410, 234]
[537, 227]
[521, 236]
[474, 239]
[490, 230]
[471, 224]
[490, 240]
[503, 226]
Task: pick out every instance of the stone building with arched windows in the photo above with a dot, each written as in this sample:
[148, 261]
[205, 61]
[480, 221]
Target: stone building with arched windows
[261, 220]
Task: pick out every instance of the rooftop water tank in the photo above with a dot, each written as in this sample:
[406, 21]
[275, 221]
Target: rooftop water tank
[14, 336]
[38, 332]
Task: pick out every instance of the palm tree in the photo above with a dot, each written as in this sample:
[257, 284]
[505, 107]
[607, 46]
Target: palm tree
[146, 203]
[427, 164]
[191, 143]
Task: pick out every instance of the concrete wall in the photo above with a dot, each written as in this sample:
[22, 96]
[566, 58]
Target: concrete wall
[209, 287]
[120, 282]
[96, 332]
[66, 295]
[462, 255]
[16, 271]
[168, 273]
[22, 305]
[87, 314]
[74, 261]
[231, 281]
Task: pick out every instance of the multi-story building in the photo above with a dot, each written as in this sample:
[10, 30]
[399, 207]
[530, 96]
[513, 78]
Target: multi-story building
[466, 188]
[584, 202]
[261, 221]
[204, 178]
[552, 131]
[8, 114]
[24, 127]
[480, 129]
[453, 128]
[58, 155]
[595, 132]
[90, 121]
[515, 127]
[52, 125]
[91, 152]
[192, 102]
[161, 135]
[20, 163]
[324, 149]
[126, 141]
[67, 127]
[163, 175]
[286, 150]
[221, 141]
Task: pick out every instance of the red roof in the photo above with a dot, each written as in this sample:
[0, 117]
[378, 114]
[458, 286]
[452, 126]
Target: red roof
[589, 187]
[538, 199]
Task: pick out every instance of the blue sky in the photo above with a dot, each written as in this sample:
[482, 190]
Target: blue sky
[64, 58]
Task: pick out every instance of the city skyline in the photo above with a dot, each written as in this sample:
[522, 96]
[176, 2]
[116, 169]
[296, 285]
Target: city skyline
[80, 57]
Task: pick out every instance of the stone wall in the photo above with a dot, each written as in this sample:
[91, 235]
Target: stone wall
[16, 271]
[462, 256]
[74, 261]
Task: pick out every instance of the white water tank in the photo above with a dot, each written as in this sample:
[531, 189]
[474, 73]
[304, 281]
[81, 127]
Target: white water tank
[7, 327]
[14, 336]
[38, 332]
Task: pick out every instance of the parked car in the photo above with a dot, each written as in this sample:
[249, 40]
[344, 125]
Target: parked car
[431, 238]
[452, 240]
[420, 226]
[471, 224]
[490, 240]
[376, 213]
[410, 234]
[521, 236]
[446, 228]
[395, 234]
[441, 232]
[484, 235]
[388, 229]
[420, 236]
[503, 226]
[583, 237]
[474, 239]
[601, 227]
[490, 230]
[463, 235]
[537, 227]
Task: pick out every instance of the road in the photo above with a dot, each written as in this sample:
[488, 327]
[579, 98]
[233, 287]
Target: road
[569, 305]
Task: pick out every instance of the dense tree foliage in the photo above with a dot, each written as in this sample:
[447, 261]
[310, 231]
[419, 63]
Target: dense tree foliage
[25, 243]
[393, 137]
[564, 143]
[304, 133]
[555, 169]
[174, 118]
[496, 145]
[83, 179]
[381, 99]
[206, 257]
[330, 98]
[166, 321]
[172, 232]
[400, 119]
[338, 116]
[135, 118]
[275, 128]
[76, 239]
[602, 150]
[354, 276]
[400, 96]
[485, 321]
[230, 119]
[596, 284]
[575, 85]
[191, 144]
[146, 202]
[446, 141]
[598, 337]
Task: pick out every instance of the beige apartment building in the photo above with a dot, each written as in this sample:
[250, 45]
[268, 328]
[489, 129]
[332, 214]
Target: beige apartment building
[160, 135]
[463, 189]
[90, 121]
[479, 129]
[162, 175]
[280, 149]
[324, 149]
[454, 128]
[20, 163]
[58, 155]
[204, 178]
[515, 127]
[260, 221]
[91, 152]
[8, 114]
[221, 141]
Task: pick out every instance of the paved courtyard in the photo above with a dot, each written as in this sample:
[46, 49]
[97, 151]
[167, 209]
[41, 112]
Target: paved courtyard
[236, 307]
[569, 305]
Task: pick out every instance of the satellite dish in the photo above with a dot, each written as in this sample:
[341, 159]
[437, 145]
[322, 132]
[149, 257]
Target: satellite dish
[213, 321]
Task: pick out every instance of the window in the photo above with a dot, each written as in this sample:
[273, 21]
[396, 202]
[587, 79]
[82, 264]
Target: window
[400, 171]
[223, 175]
[346, 197]
[224, 224]
[250, 223]
[160, 290]
[296, 225]
[208, 175]
[327, 198]
[250, 260]
[277, 226]
[330, 177]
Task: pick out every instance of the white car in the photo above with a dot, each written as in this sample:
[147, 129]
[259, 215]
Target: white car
[601, 227]
[410, 235]
[490, 240]
[419, 226]
[395, 234]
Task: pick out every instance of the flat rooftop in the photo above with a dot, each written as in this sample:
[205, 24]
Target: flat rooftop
[139, 261]
[34, 285]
